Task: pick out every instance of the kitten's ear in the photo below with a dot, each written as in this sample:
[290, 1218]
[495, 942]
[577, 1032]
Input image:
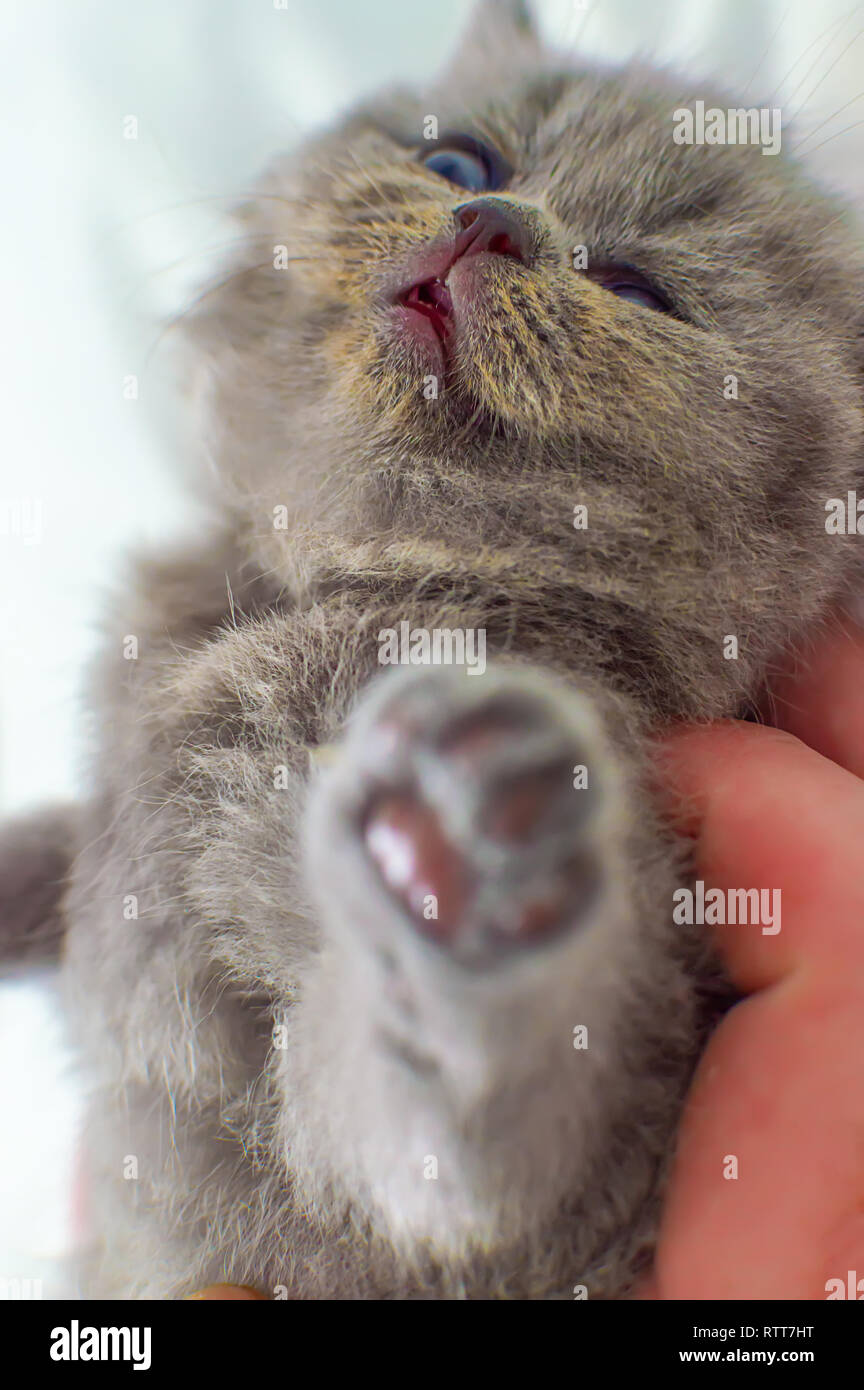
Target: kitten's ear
[494, 21]
[499, 34]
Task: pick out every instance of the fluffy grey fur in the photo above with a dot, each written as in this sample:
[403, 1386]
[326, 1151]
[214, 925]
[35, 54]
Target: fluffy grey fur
[272, 1039]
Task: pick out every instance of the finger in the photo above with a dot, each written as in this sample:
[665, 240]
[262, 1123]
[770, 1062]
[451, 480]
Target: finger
[816, 694]
[770, 814]
[766, 1194]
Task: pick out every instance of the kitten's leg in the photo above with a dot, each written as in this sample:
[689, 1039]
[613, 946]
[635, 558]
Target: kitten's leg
[501, 995]
[36, 853]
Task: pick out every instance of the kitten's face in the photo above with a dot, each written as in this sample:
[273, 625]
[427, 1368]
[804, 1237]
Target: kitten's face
[550, 388]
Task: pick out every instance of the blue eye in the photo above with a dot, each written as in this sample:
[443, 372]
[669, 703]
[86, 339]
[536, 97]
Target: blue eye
[467, 162]
[459, 167]
[640, 294]
[628, 283]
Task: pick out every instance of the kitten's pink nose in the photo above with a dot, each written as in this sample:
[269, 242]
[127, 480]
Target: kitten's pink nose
[489, 224]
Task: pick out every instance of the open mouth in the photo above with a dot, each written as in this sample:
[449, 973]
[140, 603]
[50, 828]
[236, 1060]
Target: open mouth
[431, 299]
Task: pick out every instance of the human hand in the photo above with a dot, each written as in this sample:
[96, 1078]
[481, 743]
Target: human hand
[781, 1084]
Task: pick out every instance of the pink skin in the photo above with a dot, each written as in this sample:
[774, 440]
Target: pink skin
[781, 1084]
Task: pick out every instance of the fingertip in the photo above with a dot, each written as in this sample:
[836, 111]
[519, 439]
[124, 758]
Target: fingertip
[816, 692]
[696, 762]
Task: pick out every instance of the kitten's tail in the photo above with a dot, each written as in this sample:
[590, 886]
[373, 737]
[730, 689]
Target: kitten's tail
[36, 853]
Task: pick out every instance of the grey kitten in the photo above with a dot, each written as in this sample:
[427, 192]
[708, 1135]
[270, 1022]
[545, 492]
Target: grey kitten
[375, 973]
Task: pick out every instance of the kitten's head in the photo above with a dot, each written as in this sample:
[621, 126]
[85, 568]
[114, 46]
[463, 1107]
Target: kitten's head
[461, 314]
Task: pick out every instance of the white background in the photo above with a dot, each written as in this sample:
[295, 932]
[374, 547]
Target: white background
[104, 238]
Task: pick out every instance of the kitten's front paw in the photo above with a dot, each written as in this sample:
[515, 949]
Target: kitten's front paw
[486, 978]
[476, 801]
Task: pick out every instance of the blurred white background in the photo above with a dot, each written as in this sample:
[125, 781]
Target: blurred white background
[104, 237]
